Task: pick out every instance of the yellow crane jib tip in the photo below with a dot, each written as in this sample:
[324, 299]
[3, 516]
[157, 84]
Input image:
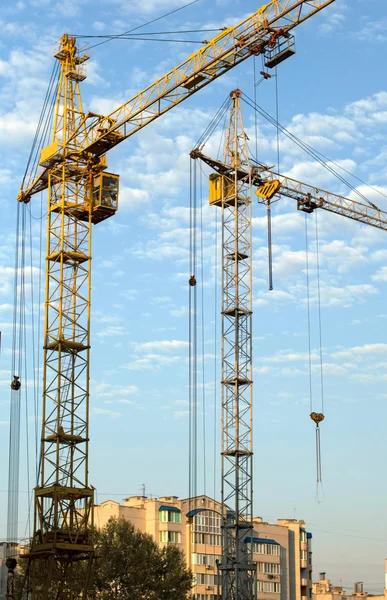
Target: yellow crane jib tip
[268, 190]
[263, 8]
[317, 417]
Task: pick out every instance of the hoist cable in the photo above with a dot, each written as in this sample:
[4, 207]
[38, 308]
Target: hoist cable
[47, 126]
[319, 315]
[145, 24]
[313, 153]
[213, 124]
[317, 418]
[41, 117]
[192, 340]
[195, 346]
[216, 308]
[204, 416]
[308, 311]
[19, 375]
[38, 446]
[277, 117]
[255, 112]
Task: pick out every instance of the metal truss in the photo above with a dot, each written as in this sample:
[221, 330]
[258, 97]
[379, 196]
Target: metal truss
[236, 568]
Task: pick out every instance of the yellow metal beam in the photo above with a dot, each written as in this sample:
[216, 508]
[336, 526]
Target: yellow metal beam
[97, 134]
[308, 197]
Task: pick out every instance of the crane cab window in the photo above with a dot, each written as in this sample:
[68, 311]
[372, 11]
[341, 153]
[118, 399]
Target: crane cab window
[105, 192]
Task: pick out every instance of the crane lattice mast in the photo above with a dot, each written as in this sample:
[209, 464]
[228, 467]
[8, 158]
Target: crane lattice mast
[64, 499]
[233, 195]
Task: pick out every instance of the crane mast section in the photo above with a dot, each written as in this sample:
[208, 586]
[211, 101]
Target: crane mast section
[96, 134]
[308, 197]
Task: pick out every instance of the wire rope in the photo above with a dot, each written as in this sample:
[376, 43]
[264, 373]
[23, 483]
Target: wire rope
[277, 117]
[319, 315]
[312, 152]
[317, 417]
[146, 39]
[134, 35]
[215, 449]
[204, 415]
[222, 112]
[41, 117]
[145, 24]
[308, 313]
[255, 112]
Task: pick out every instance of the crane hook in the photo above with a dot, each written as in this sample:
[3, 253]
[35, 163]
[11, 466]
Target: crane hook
[15, 383]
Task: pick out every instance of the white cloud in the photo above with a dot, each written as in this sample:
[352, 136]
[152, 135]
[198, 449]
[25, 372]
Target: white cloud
[373, 31]
[111, 331]
[166, 345]
[108, 390]
[380, 275]
[151, 362]
[180, 414]
[106, 413]
[361, 351]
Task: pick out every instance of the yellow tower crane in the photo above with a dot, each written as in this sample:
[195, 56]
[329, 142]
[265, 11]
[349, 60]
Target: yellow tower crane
[80, 193]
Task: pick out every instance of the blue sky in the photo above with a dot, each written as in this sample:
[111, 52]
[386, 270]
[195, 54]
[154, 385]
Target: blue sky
[333, 95]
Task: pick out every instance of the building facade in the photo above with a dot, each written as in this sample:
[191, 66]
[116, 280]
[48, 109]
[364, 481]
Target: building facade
[324, 590]
[3, 570]
[281, 551]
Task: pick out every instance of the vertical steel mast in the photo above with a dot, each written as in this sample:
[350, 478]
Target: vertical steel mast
[62, 549]
[236, 568]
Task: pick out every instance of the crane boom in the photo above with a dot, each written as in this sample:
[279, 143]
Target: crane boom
[266, 29]
[308, 197]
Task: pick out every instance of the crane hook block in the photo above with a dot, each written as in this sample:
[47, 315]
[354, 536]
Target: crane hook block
[192, 281]
[317, 417]
[15, 383]
[11, 564]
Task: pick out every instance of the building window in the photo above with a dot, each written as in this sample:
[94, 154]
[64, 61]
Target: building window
[303, 555]
[206, 579]
[170, 537]
[207, 523]
[269, 586]
[204, 559]
[303, 535]
[169, 516]
[206, 538]
[268, 568]
[259, 548]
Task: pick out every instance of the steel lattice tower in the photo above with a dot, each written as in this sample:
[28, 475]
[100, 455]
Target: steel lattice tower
[237, 570]
[61, 553]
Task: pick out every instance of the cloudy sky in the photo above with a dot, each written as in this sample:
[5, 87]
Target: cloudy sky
[333, 95]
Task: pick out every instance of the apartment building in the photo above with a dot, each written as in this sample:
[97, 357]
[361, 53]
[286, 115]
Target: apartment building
[324, 590]
[3, 570]
[282, 551]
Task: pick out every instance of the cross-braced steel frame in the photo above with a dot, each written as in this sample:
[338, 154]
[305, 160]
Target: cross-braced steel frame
[236, 569]
[61, 553]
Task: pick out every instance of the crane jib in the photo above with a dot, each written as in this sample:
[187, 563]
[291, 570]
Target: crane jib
[97, 134]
